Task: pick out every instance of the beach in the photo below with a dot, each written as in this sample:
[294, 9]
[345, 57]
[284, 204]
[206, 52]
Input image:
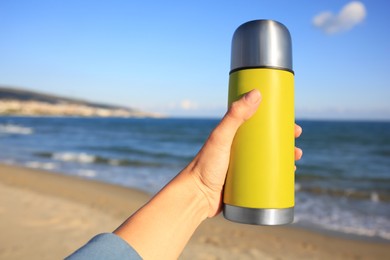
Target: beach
[44, 215]
[342, 183]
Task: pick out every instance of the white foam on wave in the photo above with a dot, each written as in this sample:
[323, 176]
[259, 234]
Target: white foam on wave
[333, 214]
[41, 165]
[114, 162]
[8, 161]
[374, 197]
[15, 129]
[87, 173]
[74, 157]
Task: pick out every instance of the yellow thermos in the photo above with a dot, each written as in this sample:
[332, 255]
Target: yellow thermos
[259, 187]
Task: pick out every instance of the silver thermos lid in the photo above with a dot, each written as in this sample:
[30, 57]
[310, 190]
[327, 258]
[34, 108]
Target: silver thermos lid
[261, 44]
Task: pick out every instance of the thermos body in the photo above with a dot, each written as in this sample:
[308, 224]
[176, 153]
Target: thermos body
[259, 187]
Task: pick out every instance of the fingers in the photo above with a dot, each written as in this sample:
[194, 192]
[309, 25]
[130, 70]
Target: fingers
[298, 131]
[240, 111]
[298, 153]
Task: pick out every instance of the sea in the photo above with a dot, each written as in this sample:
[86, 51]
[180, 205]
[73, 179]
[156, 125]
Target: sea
[342, 182]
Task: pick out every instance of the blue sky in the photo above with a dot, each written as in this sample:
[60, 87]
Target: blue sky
[173, 57]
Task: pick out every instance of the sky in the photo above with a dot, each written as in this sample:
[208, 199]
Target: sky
[173, 57]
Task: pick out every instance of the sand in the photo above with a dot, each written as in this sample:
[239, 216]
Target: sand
[45, 215]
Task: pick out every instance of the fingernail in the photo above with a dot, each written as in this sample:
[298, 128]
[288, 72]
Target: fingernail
[253, 96]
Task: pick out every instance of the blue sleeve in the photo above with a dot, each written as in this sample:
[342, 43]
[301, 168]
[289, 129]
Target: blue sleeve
[105, 246]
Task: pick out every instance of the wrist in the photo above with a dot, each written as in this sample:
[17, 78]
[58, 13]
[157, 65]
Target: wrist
[196, 192]
[204, 193]
[167, 220]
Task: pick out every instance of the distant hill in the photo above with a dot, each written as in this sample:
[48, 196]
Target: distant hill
[28, 95]
[17, 101]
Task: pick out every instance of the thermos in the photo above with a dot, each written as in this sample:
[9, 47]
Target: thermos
[259, 186]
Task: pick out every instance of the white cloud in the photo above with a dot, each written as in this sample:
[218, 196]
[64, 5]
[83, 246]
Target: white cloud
[187, 108]
[350, 15]
[187, 104]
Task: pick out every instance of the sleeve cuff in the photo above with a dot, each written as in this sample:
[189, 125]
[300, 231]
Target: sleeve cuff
[105, 246]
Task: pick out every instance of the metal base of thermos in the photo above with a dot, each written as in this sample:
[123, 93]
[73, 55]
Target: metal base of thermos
[254, 216]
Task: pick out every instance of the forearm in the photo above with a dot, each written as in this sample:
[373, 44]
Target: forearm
[162, 228]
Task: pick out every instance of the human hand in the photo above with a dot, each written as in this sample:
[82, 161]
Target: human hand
[168, 220]
[210, 166]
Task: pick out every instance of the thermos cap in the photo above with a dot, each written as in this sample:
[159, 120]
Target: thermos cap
[261, 43]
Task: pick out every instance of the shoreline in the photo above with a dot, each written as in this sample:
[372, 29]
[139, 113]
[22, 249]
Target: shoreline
[311, 228]
[71, 209]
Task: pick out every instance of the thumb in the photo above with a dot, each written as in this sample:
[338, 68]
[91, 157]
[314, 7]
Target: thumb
[240, 111]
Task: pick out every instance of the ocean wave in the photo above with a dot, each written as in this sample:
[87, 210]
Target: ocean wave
[41, 165]
[15, 129]
[85, 158]
[330, 213]
[131, 151]
[86, 173]
[73, 157]
[383, 152]
[358, 194]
